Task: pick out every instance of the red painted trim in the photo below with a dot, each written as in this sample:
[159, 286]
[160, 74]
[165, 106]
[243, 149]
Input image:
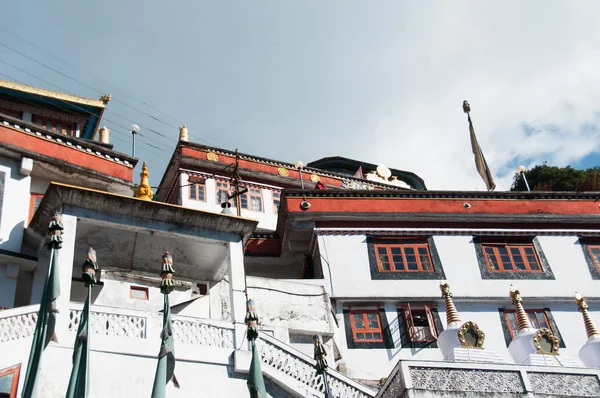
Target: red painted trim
[443, 206]
[62, 152]
[255, 166]
[263, 246]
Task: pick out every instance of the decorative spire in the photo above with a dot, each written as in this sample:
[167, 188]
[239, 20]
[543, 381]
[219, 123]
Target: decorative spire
[106, 98]
[522, 318]
[320, 354]
[55, 231]
[104, 135]
[183, 133]
[251, 320]
[590, 326]
[90, 268]
[451, 313]
[167, 284]
[144, 190]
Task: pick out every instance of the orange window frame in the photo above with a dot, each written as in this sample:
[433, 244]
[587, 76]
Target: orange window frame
[510, 247]
[66, 128]
[363, 316]
[33, 196]
[396, 249]
[539, 320]
[16, 370]
[594, 252]
[410, 323]
[195, 187]
[140, 289]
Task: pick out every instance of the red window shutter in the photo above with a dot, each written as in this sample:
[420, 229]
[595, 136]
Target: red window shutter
[431, 321]
[410, 328]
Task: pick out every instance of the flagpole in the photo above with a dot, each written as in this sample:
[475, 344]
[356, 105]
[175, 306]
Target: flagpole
[321, 363]
[80, 374]
[165, 368]
[256, 382]
[480, 163]
[46, 320]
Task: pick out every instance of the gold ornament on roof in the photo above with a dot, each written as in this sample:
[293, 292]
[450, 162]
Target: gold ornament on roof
[106, 98]
[451, 312]
[144, 190]
[315, 178]
[590, 326]
[283, 172]
[522, 318]
[213, 157]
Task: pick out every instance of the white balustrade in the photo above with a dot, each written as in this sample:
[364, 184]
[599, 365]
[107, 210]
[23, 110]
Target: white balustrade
[18, 323]
[202, 332]
[300, 366]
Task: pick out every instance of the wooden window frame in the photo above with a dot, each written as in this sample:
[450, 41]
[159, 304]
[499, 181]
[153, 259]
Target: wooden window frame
[513, 330]
[365, 330]
[16, 370]
[407, 312]
[46, 119]
[403, 244]
[32, 197]
[520, 245]
[590, 247]
[276, 201]
[251, 194]
[139, 288]
[194, 186]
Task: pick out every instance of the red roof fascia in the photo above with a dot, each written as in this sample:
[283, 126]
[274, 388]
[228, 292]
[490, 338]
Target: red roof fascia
[65, 153]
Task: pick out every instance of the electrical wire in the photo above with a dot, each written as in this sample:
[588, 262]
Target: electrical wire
[94, 89]
[73, 113]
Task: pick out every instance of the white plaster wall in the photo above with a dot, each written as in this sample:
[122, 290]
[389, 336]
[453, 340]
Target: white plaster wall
[116, 293]
[15, 205]
[377, 363]
[346, 269]
[8, 288]
[267, 218]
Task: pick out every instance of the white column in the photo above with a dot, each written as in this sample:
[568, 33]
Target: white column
[65, 273]
[237, 285]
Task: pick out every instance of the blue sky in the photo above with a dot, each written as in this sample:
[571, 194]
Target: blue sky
[381, 82]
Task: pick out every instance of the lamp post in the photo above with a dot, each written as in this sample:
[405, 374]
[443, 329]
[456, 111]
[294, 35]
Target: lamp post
[521, 171]
[299, 165]
[135, 129]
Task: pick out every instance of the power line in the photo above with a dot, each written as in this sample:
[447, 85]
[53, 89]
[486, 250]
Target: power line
[71, 112]
[87, 72]
[88, 86]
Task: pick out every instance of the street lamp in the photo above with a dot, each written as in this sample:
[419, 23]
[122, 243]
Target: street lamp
[135, 129]
[521, 171]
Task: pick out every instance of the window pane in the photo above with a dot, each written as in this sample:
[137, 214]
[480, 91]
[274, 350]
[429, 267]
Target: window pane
[368, 336]
[200, 192]
[360, 336]
[357, 317]
[371, 316]
[396, 250]
[359, 325]
[398, 263]
[385, 266]
[528, 250]
[193, 191]
[373, 324]
[377, 336]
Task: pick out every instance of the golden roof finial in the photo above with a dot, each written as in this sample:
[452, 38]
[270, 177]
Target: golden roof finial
[451, 312]
[522, 318]
[106, 98]
[183, 133]
[590, 326]
[144, 190]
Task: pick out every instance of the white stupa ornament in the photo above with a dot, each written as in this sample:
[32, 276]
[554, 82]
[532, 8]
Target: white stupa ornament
[590, 352]
[533, 346]
[462, 341]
